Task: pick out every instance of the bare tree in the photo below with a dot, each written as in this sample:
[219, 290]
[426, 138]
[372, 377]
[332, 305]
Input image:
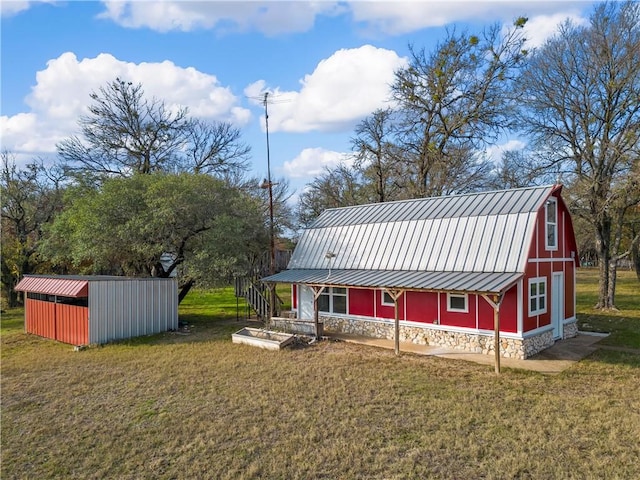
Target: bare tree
[215, 148]
[377, 155]
[454, 101]
[126, 133]
[581, 99]
[337, 187]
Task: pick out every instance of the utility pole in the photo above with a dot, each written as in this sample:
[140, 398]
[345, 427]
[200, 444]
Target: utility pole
[269, 185]
[272, 245]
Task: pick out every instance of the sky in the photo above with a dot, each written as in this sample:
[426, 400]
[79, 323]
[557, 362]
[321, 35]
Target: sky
[326, 65]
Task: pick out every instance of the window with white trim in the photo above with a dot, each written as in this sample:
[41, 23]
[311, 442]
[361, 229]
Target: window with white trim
[387, 300]
[333, 300]
[551, 224]
[457, 302]
[537, 296]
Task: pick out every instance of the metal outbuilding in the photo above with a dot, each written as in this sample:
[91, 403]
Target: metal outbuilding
[84, 310]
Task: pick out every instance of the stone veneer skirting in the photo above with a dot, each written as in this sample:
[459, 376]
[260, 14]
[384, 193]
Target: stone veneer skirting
[471, 342]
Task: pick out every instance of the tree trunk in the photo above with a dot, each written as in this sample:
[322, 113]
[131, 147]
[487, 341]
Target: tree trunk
[603, 248]
[611, 293]
[635, 253]
[184, 289]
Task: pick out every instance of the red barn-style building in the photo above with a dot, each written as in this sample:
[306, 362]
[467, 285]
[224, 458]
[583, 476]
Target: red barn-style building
[443, 271]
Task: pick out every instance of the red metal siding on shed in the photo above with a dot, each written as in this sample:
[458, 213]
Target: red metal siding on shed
[72, 324]
[57, 321]
[422, 306]
[40, 318]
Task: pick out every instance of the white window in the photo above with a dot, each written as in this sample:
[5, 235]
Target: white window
[333, 300]
[537, 296]
[551, 224]
[387, 300]
[457, 302]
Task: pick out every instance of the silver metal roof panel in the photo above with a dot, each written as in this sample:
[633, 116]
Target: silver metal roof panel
[471, 282]
[486, 232]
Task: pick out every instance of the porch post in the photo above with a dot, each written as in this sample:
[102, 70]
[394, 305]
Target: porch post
[495, 304]
[496, 326]
[317, 291]
[395, 295]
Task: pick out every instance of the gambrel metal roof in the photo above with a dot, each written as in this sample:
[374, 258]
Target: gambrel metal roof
[480, 233]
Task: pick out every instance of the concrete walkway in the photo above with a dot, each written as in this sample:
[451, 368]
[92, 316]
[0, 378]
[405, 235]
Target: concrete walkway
[555, 359]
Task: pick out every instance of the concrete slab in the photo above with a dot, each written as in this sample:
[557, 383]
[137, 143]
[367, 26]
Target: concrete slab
[555, 359]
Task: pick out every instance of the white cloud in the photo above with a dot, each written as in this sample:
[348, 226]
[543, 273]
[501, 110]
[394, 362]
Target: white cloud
[540, 28]
[374, 17]
[494, 152]
[396, 18]
[13, 7]
[312, 162]
[62, 90]
[270, 18]
[342, 89]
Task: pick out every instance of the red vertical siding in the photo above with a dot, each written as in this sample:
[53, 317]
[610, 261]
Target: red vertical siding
[458, 319]
[569, 290]
[65, 323]
[485, 315]
[388, 311]
[422, 306]
[361, 302]
[72, 324]
[509, 311]
[40, 318]
[294, 296]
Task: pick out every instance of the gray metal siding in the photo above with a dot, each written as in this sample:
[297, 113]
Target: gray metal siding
[126, 308]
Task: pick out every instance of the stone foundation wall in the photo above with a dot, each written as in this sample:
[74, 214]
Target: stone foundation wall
[292, 325]
[470, 342]
[570, 330]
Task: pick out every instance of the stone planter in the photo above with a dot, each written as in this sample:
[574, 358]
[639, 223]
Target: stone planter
[262, 338]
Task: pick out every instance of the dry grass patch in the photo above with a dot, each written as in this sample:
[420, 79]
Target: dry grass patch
[198, 406]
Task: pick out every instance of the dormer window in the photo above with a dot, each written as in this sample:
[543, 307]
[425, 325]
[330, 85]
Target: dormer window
[551, 224]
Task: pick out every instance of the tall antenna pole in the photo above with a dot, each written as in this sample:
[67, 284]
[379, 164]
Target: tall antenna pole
[272, 246]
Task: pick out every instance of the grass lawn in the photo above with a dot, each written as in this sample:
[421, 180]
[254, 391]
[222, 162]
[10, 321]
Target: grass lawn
[192, 405]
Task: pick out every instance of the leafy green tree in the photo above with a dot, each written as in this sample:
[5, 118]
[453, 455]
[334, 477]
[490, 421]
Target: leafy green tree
[201, 227]
[31, 197]
[581, 107]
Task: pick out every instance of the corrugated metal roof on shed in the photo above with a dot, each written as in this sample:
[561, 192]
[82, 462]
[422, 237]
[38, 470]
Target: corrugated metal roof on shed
[60, 286]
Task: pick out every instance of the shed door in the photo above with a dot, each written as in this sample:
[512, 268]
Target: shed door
[557, 303]
[305, 303]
